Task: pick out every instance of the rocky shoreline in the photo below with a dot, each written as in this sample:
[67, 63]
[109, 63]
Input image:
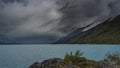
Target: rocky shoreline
[77, 60]
[60, 63]
[53, 63]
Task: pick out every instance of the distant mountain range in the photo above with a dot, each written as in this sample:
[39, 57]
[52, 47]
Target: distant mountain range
[37, 39]
[4, 40]
[107, 32]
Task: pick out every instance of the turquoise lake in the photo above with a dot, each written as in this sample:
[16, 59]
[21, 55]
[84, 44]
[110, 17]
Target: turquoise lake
[21, 56]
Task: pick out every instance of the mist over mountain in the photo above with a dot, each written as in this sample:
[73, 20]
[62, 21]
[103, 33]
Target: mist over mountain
[107, 32]
[49, 20]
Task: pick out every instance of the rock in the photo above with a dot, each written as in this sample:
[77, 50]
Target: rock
[105, 64]
[53, 63]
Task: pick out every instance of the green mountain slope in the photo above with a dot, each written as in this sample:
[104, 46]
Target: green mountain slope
[107, 32]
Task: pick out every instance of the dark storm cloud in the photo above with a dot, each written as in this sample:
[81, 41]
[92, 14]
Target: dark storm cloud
[36, 17]
[23, 18]
[79, 13]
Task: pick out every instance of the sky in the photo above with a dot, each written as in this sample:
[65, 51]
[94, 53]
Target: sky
[44, 21]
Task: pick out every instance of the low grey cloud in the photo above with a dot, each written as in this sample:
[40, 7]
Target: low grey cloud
[80, 13]
[36, 17]
[26, 18]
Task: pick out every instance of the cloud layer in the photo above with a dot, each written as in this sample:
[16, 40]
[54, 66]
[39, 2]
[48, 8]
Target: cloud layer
[30, 18]
[80, 13]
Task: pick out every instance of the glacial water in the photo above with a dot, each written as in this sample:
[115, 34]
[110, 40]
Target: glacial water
[21, 56]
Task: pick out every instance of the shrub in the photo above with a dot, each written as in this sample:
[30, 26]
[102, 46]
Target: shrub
[76, 59]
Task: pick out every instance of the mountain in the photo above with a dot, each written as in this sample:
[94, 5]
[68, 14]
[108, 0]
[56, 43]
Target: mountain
[107, 32]
[74, 33]
[6, 40]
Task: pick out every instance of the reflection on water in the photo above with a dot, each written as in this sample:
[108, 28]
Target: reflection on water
[12, 56]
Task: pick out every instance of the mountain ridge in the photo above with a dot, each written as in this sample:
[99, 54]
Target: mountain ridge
[104, 33]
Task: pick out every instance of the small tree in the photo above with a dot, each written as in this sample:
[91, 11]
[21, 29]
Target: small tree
[76, 59]
[113, 57]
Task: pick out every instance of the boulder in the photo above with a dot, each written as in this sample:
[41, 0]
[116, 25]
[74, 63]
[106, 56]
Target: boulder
[53, 63]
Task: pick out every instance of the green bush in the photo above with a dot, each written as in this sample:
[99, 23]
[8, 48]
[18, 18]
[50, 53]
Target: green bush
[113, 57]
[76, 59]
